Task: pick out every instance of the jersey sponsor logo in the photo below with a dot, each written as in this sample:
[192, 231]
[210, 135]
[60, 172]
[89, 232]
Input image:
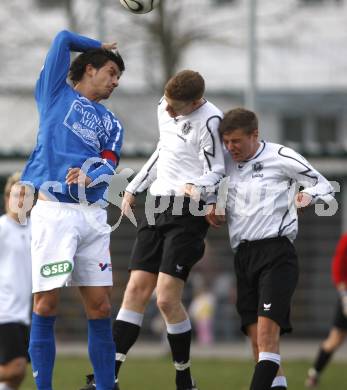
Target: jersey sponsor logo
[85, 122]
[256, 168]
[105, 266]
[107, 122]
[55, 269]
[267, 306]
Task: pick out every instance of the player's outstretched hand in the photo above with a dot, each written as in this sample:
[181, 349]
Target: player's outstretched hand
[302, 199]
[77, 176]
[213, 218]
[109, 46]
[128, 204]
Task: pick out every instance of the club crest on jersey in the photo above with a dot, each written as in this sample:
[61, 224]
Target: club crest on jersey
[186, 128]
[256, 168]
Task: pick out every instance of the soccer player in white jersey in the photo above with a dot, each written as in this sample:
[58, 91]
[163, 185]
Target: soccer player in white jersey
[78, 148]
[263, 223]
[15, 288]
[188, 158]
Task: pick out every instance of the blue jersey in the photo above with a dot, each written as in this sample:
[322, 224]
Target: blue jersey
[73, 132]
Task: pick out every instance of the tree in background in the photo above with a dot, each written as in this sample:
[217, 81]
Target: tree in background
[293, 33]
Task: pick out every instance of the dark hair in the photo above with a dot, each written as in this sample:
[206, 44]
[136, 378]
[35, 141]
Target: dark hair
[186, 85]
[238, 118]
[95, 57]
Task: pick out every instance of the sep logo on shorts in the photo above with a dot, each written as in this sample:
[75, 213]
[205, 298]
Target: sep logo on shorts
[56, 269]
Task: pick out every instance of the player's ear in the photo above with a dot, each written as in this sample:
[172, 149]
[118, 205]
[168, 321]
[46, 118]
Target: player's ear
[89, 70]
[256, 133]
[196, 103]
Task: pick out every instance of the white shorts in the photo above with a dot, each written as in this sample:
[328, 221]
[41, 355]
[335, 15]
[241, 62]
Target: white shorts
[70, 246]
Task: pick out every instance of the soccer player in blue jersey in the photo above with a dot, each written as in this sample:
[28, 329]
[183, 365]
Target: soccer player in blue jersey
[78, 147]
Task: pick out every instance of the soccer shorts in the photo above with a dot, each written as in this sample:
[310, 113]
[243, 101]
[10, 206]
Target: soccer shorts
[173, 245]
[267, 274]
[70, 246]
[340, 320]
[14, 342]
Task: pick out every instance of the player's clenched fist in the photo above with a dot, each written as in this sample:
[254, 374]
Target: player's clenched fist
[302, 199]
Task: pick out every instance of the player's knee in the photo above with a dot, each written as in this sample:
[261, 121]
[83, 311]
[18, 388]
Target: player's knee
[45, 307]
[137, 293]
[167, 305]
[101, 309]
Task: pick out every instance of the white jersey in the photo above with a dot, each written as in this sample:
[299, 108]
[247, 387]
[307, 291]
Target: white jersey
[261, 192]
[189, 151]
[15, 265]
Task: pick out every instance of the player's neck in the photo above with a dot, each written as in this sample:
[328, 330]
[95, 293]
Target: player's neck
[254, 150]
[198, 104]
[85, 91]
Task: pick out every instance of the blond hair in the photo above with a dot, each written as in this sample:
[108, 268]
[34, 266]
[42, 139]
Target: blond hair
[10, 182]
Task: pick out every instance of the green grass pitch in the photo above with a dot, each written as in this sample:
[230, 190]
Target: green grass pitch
[214, 374]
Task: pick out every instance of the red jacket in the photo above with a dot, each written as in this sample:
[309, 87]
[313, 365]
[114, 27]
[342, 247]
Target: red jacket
[339, 264]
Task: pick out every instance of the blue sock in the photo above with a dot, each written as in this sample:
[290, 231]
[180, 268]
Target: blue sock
[42, 350]
[102, 352]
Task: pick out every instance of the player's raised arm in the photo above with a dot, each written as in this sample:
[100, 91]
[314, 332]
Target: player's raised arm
[55, 70]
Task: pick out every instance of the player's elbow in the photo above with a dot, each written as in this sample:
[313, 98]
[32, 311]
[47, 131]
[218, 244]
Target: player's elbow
[62, 36]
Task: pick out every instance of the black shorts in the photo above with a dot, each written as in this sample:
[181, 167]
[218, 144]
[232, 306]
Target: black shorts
[340, 321]
[267, 274]
[172, 245]
[14, 342]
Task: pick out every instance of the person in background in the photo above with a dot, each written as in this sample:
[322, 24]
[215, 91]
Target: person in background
[201, 310]
[338, 332]
[15, 287]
